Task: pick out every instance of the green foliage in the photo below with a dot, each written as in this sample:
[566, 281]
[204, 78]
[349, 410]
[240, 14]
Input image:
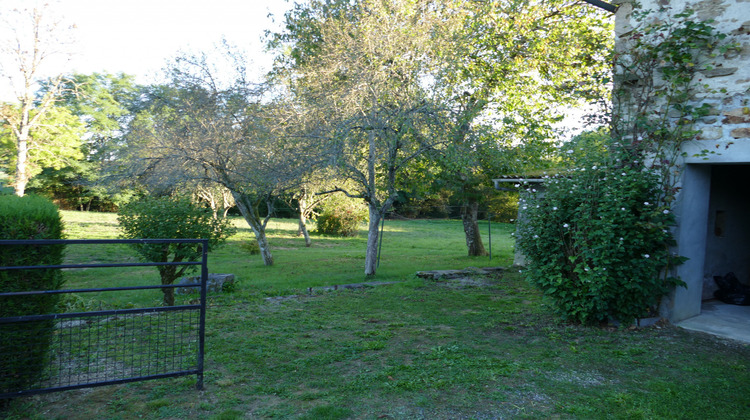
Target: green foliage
[251, 247]
[103, 104]
[598, 242]
[341, 216]
[54, 144]
[171, 218]
[504, 206]
[24, 346]
[590, 145]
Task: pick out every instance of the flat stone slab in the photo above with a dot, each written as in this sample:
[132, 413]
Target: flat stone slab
[214, 283]
[350, 286]
[455, 274]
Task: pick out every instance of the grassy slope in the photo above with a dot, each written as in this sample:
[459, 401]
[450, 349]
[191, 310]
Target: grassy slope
[419, 349]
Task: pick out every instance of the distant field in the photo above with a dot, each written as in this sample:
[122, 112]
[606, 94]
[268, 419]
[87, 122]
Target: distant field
[408, 247]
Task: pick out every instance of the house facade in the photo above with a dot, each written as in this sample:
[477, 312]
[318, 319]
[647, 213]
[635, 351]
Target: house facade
[713, 203]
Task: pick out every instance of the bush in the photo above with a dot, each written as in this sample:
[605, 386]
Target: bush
[598, 242]
[24, 347]
[250, 247]
[171, 218]
[341, 216]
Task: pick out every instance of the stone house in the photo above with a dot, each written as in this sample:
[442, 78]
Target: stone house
[713, 203]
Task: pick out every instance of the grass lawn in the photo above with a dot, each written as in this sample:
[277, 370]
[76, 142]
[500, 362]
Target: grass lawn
[413, 350]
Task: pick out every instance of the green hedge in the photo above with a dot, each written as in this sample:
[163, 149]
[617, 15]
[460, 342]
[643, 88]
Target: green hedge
[24, 347]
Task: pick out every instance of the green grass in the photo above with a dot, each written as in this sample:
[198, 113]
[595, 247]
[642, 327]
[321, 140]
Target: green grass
[416, 349]
[408, 246]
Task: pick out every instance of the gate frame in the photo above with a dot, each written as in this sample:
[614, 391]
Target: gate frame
[201, 306]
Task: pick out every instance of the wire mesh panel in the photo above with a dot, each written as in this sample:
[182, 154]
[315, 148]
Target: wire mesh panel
[53, 352]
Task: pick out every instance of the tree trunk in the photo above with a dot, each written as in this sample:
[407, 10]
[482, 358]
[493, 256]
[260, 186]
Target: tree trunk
[250, 213]
[168, 276]
[474, 243]
[265, 249]
[168, 296]
[303, 230]
[21, 157]
[373, 234]
[302, 204]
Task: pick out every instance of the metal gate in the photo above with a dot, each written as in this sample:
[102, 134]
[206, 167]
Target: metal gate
[94, 348]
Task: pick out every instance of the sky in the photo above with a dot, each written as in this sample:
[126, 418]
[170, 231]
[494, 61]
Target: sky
[138, 36]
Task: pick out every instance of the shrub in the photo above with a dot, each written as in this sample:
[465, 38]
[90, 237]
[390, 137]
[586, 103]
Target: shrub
[24, 347]
[171, 218]
[341, 216]
[598, 242]
[250, 247]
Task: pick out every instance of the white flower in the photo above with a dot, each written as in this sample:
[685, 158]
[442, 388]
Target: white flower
[622, 208]
[586, 269]
[646, 256]
[536, 236]
[646, 203]
[566, 225]
[624, 174]
[569, 151]
[622, 239]
[666, 212]
[525, 207]
[554, 208]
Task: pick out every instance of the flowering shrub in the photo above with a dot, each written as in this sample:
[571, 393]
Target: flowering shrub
[598, 242]
[341, 216]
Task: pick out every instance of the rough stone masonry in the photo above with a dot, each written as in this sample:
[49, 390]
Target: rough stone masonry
[728, 81]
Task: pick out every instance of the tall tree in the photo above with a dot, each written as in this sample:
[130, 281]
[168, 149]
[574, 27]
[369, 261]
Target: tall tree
[363, 66]
[104, 104]
[32, 38]
[199, 129]
[515, 65]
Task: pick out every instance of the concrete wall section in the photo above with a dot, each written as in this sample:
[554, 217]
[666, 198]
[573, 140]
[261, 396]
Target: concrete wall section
[692, 215]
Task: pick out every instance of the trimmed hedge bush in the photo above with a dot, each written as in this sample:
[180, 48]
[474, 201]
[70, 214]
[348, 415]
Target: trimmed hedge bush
[24, 347]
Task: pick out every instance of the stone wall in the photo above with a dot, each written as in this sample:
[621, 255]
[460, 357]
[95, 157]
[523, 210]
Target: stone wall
[728, 81]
